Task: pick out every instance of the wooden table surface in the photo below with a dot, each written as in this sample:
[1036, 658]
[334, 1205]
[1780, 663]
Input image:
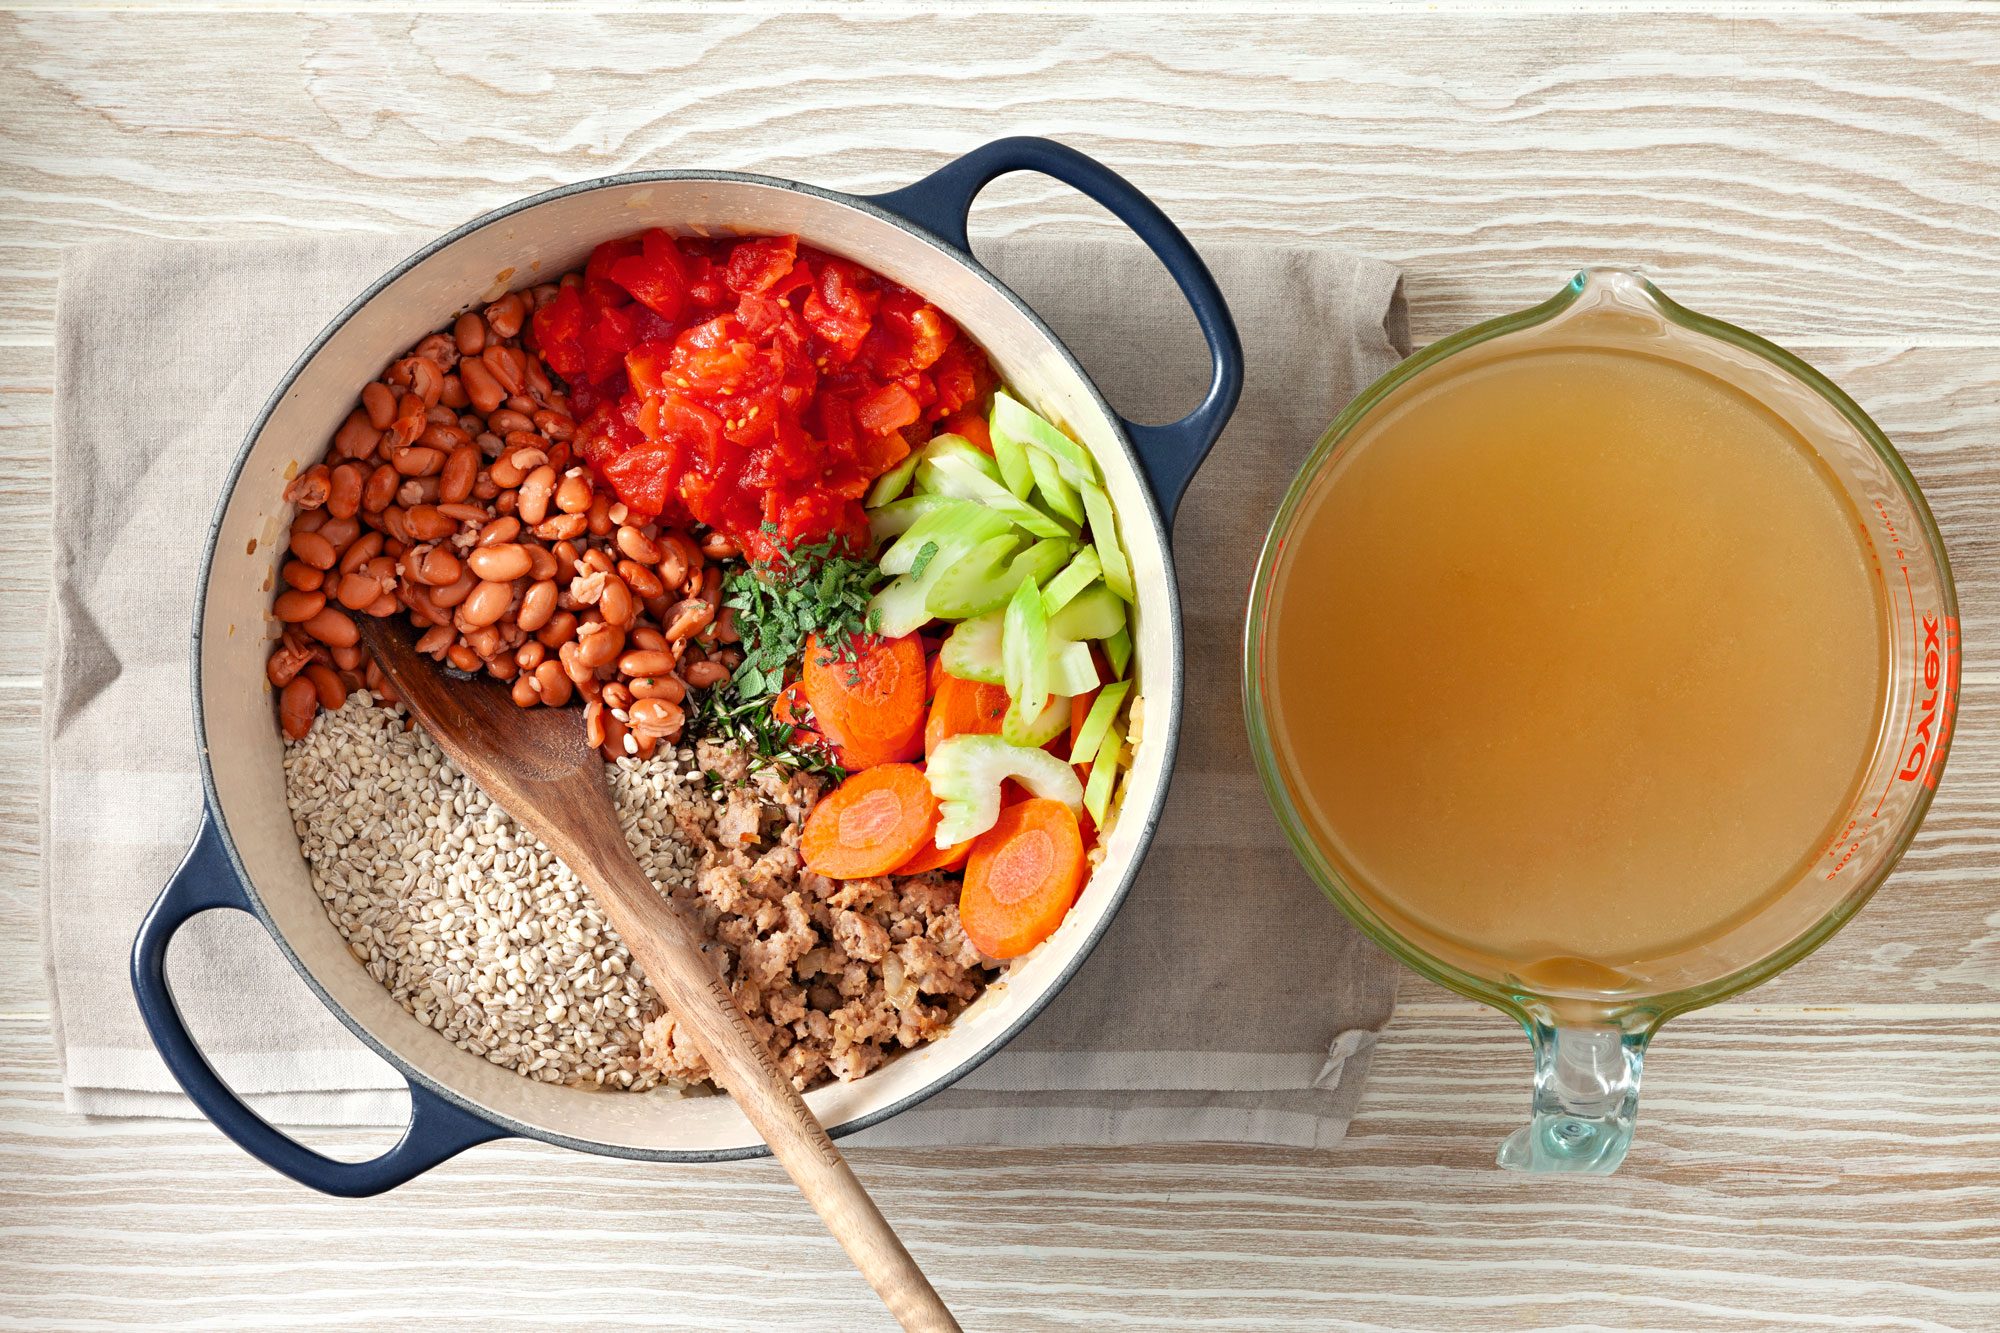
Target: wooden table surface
[1827, 1149]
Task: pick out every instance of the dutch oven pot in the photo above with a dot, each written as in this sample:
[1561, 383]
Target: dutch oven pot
[246, 855]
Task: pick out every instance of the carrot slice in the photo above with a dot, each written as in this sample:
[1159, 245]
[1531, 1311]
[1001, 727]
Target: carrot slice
[930, 856]
[871, 823]
[1021, 878]
[972, 426]
[964, 707]
[872, 707]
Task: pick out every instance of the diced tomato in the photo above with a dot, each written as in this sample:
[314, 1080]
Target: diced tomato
[643, 479]
[757, 265]
[753, 385]
[889, 408]
[655, 276]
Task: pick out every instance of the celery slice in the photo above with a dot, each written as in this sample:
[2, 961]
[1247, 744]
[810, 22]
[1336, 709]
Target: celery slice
[950, 530]
[957, 446]
[1118, 651]
[1010, 455]
[894, 519]
[972, 650]
[920, 558]
[1037, 731]
[987, 577]
[892, 483]
[951, 475]
[1104, 535]
[1094, 613]
[965, 774]
[1023, 423]
[1024, 643]
[1057, 494]
[1103, 776]
[1079, 574]
[1097, 722]
[1072, 670]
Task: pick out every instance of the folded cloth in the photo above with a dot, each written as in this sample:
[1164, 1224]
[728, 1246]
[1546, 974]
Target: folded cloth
[1229, 1002]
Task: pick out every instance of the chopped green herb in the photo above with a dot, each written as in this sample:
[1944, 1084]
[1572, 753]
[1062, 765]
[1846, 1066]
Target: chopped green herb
[779, 605]
[925, 554]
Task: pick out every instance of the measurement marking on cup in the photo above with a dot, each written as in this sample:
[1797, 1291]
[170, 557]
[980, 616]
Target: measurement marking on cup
[1910, 599]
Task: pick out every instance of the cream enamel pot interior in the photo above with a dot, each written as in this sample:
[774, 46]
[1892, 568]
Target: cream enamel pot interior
[247, 856]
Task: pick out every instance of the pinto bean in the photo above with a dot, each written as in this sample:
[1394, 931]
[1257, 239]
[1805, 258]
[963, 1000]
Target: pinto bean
[378, 400]
[438, 567]
[461, 469]
[642, 581]
[314, 549]
[600, 644]
[302, 576]
[455, 592]
[538, 604]
[482, 390]
[357, 592]
[428, 525]
[469, 332]
[703, 675]
[536, 489]
[285, 662]
[487, 603]
[500, 563]
[343, 493]
[555, 684]
[298, 704]
[331, 628]
[380, 489]
[326, 686]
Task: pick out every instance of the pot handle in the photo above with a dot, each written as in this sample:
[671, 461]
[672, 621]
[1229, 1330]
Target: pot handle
[941, 201]
[438, 1129]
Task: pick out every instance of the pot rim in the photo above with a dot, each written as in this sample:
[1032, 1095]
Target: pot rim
[1168, 598]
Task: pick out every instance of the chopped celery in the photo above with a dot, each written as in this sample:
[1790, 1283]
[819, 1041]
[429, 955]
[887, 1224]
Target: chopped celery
[1037, 731]
[965, 774]
[1057, 494]
[972, 651]
[957, 446]
[920, 558]
[1103, 776]
[1118, 651]
[987, 577]
[892, 483]
[1010, 455]
[1072, 670]
[1094, 613]
[894, 519]
[1023, 423]
[953, 476]
[1104, 535]
[950, 530]
[1024, 644]
[1097, 722]
[1079, 574]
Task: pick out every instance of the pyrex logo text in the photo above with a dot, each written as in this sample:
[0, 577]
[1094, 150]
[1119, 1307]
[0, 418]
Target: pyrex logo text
[1935, 725]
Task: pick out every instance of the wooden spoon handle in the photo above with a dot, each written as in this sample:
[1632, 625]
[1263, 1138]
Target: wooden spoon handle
[671, 952]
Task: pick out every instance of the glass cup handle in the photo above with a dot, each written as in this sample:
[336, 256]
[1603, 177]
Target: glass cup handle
[1586, 1100]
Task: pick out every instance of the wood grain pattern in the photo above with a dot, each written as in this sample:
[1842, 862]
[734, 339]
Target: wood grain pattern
[1822, 1151]
[1838, 1185]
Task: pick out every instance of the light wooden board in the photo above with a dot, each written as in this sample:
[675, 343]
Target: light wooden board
[1824, 1150]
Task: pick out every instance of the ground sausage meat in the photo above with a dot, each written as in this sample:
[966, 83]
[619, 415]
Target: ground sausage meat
[835, 975]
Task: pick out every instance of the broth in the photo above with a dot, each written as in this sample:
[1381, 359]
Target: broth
[1575, 658]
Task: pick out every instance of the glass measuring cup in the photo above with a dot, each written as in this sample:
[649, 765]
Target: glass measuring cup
[1589, 1023]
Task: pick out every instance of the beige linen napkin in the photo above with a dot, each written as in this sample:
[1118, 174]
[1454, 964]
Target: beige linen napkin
[1229, 1002]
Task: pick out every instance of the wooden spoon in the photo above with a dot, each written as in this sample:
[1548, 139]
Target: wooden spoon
[537, 765]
